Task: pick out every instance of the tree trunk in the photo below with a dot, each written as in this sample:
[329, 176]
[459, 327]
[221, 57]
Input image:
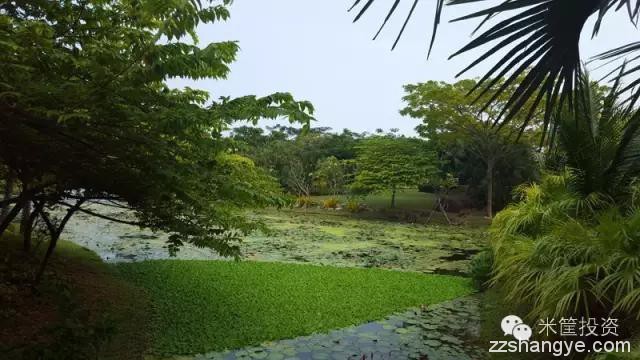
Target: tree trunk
[4, 224]
[28, 227]
[490, 189]
[8, 190]
[393, 197]
[55, 235]
[25, 226]
[52, 245]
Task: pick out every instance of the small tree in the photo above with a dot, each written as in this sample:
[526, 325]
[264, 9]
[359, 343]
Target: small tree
[389, 163]
[330, 175]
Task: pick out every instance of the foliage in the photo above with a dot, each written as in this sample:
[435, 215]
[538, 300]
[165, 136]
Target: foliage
[330, 175]
[305, 202]
[570, 244]
[481, 268]
[89, 117]
[574, 267]
[600, 143]
[388, 163]
[331, 203]
[317, 299]
[485, 160]
[353, 205]
[493, 166]
[297, 159]
[447, 113]
[537, 44]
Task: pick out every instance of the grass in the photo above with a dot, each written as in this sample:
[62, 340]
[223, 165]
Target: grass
[412, 206]
[79, 310]
[205, 306]
[407, 199]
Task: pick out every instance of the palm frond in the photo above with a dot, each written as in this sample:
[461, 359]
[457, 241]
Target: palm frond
[394, 7]
[539, 38]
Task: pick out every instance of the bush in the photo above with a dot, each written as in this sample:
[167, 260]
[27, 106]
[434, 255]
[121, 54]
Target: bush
[569, 254]
[331, 203]
[304, 202]
[354, 206]
[481, 268]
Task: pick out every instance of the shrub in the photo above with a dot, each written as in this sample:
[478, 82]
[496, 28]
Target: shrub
[330, 203]
[304, 202]
[354, 206]
[571, 255]
[481, 268]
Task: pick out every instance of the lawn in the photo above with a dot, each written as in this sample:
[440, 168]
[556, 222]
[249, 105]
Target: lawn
[205, 306]
[407, 199]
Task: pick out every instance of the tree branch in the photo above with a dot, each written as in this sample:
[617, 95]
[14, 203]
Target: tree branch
[105, 217]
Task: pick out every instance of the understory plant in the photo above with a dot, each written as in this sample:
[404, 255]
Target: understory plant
[570, 245]
[567, 266]
[331, 203]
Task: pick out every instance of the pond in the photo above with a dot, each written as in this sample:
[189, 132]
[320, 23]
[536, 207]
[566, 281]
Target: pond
[295, 236]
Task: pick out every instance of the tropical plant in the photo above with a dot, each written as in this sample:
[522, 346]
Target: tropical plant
[537, 41]
[600, 142]
[570, 245]
[574, 267]
[481, 268]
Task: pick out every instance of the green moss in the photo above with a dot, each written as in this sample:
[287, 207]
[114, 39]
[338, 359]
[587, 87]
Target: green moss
[212, 305]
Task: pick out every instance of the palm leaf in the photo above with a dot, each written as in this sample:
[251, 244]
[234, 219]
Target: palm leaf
[541, 40]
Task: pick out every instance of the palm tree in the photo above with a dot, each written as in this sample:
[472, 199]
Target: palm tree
[600, 141]
[571, 244]
[539, 40]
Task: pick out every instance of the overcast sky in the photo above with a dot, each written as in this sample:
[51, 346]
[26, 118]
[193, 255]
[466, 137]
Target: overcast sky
[312, 49]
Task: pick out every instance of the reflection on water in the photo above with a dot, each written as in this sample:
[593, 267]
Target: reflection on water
[115, 242]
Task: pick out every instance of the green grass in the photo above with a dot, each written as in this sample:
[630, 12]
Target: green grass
[408, 199]
[205, 306]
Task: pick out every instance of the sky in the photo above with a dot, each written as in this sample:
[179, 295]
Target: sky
[313, 50]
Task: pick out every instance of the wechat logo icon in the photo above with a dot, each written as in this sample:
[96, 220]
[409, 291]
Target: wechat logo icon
[513, 325]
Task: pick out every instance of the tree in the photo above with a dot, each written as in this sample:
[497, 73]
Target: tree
[600, 143]
[88, 117]
[292, 155]
[498, 154]
[446, 110]
[389, 163]
[330, 175]
[463, 136]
